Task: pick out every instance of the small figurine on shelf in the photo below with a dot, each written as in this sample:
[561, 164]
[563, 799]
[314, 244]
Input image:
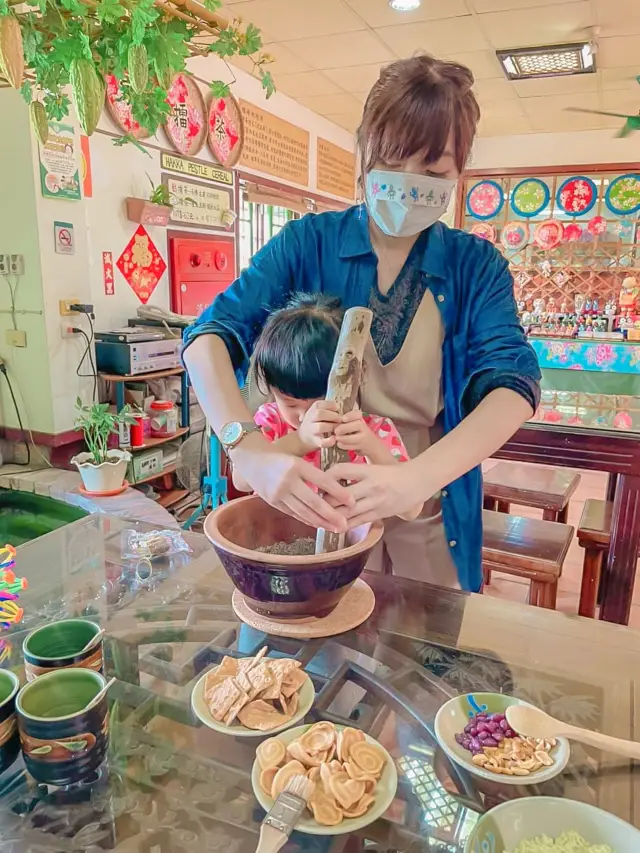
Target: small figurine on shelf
[579, 303]
[587, 305]
[595, 305]
[629, 297]
[611, 308]
[528, 302]
[551, 306]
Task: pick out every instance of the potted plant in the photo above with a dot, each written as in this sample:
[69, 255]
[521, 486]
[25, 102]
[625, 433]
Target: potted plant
[101, 469]
[156, 210]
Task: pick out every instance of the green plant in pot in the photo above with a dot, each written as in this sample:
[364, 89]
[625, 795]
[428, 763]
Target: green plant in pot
[155, 210]
[101, 469]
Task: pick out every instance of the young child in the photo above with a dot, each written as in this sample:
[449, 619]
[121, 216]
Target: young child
[292, 361]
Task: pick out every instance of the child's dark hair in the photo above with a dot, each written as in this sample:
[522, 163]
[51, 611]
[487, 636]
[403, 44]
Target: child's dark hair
[295, 350]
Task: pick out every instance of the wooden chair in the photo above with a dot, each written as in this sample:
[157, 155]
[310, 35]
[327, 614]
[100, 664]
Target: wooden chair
[594, 535]
[527, 548]
[548, 489]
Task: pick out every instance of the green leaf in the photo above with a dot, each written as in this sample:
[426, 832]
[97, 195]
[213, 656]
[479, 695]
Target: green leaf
[56, 105]
[128, 139]
[72, 745]
[4, 8]
[42, 750]
[26, 90]
[110, 11]
[219, 89]
[251, 41]
[144, 13]
[75, 7]
[212, 5]
[268, 83]
[227, 44]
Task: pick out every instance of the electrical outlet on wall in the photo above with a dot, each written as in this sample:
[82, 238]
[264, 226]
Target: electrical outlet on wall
[66, 329]
[5, 264]
[65, 306]
[16, 265]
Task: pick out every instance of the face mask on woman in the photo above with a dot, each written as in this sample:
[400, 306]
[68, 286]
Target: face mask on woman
[402, 204]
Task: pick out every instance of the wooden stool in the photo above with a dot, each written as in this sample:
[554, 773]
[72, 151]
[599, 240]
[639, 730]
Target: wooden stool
[594, 535]
[527, 548]
[548, 489]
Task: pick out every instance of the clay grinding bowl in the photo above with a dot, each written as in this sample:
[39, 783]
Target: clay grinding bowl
[284, 587]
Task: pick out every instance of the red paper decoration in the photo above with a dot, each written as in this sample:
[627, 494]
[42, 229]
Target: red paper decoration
[226, 130]
[485, 231]
[186, 125]
[572, 232]
[141, 264]
[548, 234]
[120, 111]
[597, 226]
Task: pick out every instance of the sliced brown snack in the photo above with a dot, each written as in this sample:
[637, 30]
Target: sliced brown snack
[244, 683]
[227, 667]
[222, 698]
[359, 808]
[266, 779]
[271, 753]
[293, 682]
[288, 771]
[262, 716]
[292, 705]
[274, 691]
[235, 709]
[261, 679]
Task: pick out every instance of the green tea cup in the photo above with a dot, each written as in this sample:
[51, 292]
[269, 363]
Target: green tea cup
[60, 645]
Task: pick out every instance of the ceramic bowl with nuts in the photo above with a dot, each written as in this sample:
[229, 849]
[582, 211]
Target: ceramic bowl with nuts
[473, 731]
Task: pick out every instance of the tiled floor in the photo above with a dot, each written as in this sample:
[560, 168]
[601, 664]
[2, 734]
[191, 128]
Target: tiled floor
[592, 485]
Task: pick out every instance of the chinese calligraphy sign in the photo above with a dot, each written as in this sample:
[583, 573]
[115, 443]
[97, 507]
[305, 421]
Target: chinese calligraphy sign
[198, 204]
[274, 146]
[336, 170]
[186, 125]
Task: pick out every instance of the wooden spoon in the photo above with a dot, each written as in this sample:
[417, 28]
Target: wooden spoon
[532, 722]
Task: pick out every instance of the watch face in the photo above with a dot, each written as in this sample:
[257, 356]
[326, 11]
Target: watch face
[231, 433]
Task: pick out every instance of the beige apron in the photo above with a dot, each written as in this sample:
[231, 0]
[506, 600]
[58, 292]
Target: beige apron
[409, 391]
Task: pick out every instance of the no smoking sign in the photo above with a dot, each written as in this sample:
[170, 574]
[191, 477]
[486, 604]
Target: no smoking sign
[64, 239]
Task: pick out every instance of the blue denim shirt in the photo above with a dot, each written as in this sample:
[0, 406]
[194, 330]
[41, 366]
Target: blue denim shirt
[484, 346]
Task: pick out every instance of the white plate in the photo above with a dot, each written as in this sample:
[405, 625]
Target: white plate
[306, 695]
[385, 792]
[453, 716]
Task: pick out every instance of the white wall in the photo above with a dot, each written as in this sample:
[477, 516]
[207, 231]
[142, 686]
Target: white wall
[554, 149]
[101, 225]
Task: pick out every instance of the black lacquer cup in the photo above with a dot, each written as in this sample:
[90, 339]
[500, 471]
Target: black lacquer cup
[62, 742]
[62, 644]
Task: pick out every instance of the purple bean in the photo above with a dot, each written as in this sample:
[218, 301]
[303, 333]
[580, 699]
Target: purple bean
[466, 742]
[482, 727]
[459, 739]
[504, 725]
[497, 717]
[467, 728]
[473, 731]
[498, 736]
[492, 726]
[475, 744]
[510, 733]
[490, 742]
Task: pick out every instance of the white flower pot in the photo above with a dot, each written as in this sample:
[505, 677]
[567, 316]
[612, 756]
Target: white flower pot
[106, 477]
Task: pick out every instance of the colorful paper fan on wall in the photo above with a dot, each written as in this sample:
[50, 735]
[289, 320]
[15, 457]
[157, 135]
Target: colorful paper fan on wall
[548, 234]
[577, 195]
[623, 194]
[186, 125]
[515, 235]
[530, 197]
[485, 231]
[572, 232]
[226, 130]
[485, 200]
[597, 226]
[120, 111]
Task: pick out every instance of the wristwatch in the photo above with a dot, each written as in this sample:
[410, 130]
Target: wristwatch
[232, 433]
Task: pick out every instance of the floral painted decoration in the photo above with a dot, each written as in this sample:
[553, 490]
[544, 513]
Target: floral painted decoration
[226, 130]
[548, 234]
[572, 232]
[186, 125]
[623, 194]
[485, 200]
[515, 235]
[624, 228]
[141, 264]
[597, 226]
[485, 231]
[577, 195]
[394, 192]
[530, 197]
[120, 111]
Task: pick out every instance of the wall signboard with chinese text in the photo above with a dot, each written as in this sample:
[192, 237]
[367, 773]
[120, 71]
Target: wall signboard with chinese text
[274, 146]
[335, 170]
[196, 169]
[59, 172]
[107, 274]
[199, 205]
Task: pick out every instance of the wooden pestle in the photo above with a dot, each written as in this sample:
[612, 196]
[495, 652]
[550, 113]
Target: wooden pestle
[342, 388]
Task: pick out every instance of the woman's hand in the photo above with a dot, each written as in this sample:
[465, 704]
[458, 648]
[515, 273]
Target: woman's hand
[380, 491]
[282, 481]
[316, 429]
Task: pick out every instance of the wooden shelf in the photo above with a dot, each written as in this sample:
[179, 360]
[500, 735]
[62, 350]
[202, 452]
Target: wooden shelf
[168, 469]
[141, 377]
[154, 442]
[172, 497]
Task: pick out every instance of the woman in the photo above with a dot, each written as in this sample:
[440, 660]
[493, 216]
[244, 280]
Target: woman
[448, 361]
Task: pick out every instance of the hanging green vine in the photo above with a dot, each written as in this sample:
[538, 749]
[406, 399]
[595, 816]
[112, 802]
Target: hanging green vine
[72, 44]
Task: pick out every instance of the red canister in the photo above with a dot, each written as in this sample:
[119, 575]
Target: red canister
[137, 432]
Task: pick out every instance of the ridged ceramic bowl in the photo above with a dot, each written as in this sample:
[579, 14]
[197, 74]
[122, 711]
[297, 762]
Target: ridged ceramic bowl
[9, 739]
[284, 587]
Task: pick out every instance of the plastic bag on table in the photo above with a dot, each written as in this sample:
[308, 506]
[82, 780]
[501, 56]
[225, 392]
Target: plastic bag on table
[152, 543]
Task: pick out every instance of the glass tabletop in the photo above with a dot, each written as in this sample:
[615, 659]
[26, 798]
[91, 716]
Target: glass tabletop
[171, 785]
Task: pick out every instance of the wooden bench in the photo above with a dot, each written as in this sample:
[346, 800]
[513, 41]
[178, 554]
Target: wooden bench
[527, 548]
[548, 489]
[594, 535]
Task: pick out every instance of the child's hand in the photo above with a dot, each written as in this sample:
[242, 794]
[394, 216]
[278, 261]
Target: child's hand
[354, 434]
[317, 427]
